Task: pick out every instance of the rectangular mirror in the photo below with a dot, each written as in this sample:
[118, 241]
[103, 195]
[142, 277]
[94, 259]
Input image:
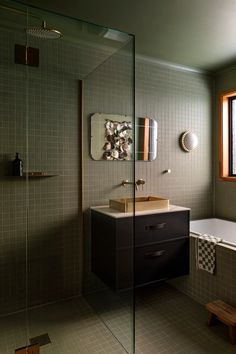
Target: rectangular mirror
[112, 138]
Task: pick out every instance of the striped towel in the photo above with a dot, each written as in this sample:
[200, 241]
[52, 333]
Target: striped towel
[206, 252]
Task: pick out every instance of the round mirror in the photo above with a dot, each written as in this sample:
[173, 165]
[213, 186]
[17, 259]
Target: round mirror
[188, 141]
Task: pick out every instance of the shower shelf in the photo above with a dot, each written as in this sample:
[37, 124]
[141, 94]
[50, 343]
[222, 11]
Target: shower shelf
[36, 175]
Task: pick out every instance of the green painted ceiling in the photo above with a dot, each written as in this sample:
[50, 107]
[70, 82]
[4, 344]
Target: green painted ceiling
[196, 33]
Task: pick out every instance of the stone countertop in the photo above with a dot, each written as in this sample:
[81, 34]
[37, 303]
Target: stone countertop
[106, 210]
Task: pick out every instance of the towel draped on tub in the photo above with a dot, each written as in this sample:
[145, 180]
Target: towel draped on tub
[206, 252]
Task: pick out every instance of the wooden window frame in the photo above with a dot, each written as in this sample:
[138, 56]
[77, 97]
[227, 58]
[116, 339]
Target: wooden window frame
[224, 136]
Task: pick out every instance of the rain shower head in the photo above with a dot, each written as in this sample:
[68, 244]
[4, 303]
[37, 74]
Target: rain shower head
[39, 32]
[44, 32]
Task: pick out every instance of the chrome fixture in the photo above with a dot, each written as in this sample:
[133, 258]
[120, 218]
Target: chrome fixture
[125, 182]
[137, 183]
[40, 32]
[44, 32]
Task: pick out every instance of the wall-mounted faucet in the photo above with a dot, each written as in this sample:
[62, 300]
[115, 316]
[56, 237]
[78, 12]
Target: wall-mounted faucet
[125, 182]
[137, 183]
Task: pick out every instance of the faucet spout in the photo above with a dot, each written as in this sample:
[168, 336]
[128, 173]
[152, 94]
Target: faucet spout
[137, 183]
[140, 182]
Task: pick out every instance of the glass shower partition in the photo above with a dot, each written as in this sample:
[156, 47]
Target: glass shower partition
[108, 161]
[13, 189]
[56, 72]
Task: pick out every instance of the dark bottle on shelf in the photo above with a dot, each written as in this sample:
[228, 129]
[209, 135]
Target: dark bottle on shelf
[17, 166]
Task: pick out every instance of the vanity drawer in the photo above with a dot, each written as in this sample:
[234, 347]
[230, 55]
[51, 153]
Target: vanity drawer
[161, 248]
[162, 261]
[161, 227]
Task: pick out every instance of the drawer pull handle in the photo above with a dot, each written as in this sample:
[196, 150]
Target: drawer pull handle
[155, 227]
[154, 254]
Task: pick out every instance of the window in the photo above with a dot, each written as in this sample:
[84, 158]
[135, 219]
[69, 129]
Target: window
[232, 137]
[228, 136]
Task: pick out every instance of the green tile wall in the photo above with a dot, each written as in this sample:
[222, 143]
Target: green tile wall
[39, 107]
[179, 101]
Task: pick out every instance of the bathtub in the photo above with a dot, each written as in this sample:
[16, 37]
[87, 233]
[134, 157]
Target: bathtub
[202, 286]
[216, 227]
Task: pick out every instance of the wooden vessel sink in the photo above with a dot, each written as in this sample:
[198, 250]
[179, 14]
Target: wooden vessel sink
[126, 205]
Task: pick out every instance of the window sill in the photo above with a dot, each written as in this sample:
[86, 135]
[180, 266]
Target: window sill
[228, 178]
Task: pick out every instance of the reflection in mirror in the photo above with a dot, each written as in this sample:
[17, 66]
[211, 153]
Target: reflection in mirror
[112, 138]
[145, 139]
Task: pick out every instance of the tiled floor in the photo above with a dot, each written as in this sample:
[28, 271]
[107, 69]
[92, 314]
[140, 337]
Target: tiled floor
[167, 321]
[72, 326]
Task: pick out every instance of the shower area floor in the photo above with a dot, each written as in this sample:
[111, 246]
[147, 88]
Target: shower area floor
[71, 325]
[166, 321]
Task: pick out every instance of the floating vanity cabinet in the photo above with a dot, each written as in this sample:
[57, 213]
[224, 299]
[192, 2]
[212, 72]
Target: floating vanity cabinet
[157, 250]
[112, 250]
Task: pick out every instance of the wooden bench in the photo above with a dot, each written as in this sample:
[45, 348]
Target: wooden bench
[219, 310]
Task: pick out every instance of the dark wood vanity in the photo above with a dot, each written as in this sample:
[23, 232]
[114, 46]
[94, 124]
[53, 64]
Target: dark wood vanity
[155, 246]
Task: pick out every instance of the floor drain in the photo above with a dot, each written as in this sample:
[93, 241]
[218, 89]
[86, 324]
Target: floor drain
[43, 339]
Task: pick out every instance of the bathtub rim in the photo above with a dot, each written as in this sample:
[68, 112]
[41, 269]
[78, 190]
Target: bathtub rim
[223, 243]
